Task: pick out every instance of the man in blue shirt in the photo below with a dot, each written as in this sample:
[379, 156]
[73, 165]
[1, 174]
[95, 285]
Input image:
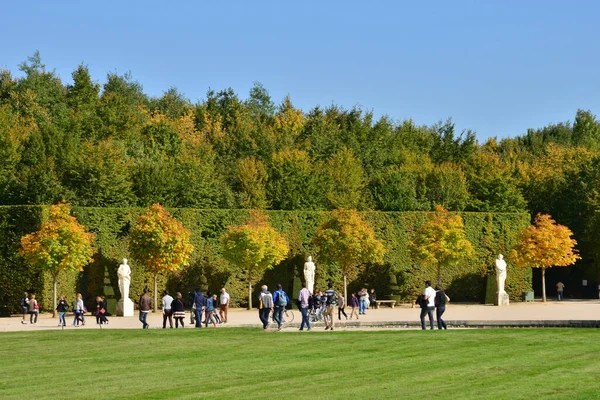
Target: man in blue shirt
[280, 300]
[198, 307]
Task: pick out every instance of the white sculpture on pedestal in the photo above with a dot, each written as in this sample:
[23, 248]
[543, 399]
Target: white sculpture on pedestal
[125, 305]
[501, 295]
[309, 274]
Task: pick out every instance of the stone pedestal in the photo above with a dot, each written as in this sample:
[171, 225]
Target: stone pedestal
[501, 299]
[125, 308]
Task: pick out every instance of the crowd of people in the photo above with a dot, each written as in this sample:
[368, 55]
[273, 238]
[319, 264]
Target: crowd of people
[320, 304]
[212, 309]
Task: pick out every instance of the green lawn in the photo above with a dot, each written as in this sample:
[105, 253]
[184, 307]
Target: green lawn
[248, 363]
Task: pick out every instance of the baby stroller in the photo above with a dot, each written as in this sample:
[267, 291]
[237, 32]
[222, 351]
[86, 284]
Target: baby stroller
[317, 309]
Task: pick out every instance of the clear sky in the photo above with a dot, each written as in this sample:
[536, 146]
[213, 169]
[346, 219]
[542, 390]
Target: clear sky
[497, 67]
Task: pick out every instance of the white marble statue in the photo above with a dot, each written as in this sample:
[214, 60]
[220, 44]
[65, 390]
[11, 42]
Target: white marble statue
[501, 295]
[124, 305]
[309, 274]
[124, 274]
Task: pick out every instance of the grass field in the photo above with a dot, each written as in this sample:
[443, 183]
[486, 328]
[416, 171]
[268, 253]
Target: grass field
[248, 363]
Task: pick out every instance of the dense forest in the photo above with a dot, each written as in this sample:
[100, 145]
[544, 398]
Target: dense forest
[112, 145]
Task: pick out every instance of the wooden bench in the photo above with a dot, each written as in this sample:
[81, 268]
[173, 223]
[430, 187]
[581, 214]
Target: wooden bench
[392, 303]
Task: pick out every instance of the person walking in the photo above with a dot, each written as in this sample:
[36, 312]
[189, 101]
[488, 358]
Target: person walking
[363, 299]
[167, 312]
[178, 310]
[354, 303]
[145, 305]
[560, 287]
[280, 300]
[34, 310]
[79, 311]
[209, 310]
[62, 308]
[265, 306]
[224, 305]
[198, 307]
[331, 301]
[440, 306]
[303, 304]
[373, 298]
[24, 304]
[100, 311]
[215, 313]
[341, 306]
[428, 305]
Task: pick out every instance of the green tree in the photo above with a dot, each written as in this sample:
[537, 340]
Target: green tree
[252, 180]
[160, 242]
[347, 240]
[294, 183]
[60, 244]
[99, 177]
[545, 244]
[347, 181]
[446, 185]
[254, 247]
[586, 130]
[441, 241]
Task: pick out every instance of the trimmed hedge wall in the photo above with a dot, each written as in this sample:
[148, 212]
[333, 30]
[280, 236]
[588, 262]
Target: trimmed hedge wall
[490, 233]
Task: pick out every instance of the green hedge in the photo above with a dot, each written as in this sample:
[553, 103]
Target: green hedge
[490, 233]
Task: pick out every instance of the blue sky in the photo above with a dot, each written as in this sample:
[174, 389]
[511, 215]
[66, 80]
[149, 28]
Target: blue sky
[497, 67]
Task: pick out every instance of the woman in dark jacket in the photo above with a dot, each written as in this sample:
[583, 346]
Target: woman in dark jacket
[62, 308]
[178, 310]
[100, 311]
[440, 306]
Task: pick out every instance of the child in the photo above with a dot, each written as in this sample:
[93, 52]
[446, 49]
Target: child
[34, 310]
[354, 305]
[62, 308]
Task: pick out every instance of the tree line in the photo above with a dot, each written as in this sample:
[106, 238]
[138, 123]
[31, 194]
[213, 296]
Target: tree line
[113, 145]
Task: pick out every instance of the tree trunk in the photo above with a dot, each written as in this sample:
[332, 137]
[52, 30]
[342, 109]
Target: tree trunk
[155, 293]
[439, 274]
[345, 289]
[249, 294]
[544, 285]
[55, 279]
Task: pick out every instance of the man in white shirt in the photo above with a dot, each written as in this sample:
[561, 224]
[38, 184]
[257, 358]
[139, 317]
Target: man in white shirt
[223, 305]
[166, 309]
[429, 307]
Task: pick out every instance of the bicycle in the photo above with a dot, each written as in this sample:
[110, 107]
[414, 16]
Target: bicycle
[287, 316]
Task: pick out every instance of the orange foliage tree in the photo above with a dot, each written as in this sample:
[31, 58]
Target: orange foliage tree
[60, 244]
[347, 239]
[254, 247]
[441, 241]
[160, 242]
[545, 244]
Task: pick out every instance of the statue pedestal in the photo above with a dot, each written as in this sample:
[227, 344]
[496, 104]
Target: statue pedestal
[501, 299]
[125, 308]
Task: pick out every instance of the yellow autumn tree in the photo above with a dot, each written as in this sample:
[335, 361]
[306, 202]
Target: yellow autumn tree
[441, 241]
[60, 244]
[254, 247]
[160, 242]
[348, 240]
[545, 244]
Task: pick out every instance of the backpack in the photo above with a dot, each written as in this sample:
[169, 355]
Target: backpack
[22, 302]
[332, 299]
[282, 299]
[440, 298]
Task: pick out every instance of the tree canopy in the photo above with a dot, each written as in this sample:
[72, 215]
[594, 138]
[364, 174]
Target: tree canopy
[254, 247]
[60, 244]
[545, 244]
